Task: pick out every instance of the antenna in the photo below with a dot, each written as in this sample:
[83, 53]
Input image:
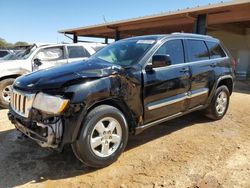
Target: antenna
[104, 19]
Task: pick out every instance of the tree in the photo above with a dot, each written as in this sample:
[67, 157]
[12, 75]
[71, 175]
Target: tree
[4, 44]
[21, 43]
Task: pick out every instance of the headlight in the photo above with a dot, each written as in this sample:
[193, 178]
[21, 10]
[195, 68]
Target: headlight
[50, 104]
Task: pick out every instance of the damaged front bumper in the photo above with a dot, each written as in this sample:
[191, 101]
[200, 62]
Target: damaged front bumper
[46, 135]
[50, 132]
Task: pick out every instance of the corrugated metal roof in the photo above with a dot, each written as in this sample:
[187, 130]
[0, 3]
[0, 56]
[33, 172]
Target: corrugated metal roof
[198, 9]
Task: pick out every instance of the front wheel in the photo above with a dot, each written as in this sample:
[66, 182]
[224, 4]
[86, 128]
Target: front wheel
[103, 137]
[219, 104]
[5, 92]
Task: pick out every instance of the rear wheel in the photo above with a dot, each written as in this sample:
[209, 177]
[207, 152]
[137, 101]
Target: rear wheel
[5, 92]
[219, 105]
[103, 137]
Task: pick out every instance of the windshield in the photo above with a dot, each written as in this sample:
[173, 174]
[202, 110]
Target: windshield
[10, 56]
[126, 52]
[28, 52]
[13, 56]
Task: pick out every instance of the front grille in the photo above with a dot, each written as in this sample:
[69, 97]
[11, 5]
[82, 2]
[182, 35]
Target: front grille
[21, 102]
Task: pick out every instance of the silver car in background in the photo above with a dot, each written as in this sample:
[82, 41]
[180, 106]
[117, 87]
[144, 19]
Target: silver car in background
[41, 56]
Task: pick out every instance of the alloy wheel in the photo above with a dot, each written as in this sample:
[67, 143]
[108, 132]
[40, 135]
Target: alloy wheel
[106, 137]
[6, 94]
[221, 103]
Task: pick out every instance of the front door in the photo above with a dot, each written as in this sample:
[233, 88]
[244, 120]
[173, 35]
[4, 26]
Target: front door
[50, 57]
[166, 88]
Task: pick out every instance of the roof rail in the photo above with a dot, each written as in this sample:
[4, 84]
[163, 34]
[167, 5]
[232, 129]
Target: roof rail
[191, 34]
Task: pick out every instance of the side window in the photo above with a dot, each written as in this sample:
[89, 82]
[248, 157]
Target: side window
[174, 48]
[50, 54]
[215, 50]
[77, 52]
[197, 50]
[3, 53]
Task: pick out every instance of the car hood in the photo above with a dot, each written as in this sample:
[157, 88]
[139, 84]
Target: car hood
[58, 77]
[14, 67]
[9, 64]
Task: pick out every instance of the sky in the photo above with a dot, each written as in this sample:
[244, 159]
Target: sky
[39, 20]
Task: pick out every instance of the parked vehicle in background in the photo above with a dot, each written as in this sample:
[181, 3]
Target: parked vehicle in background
[128, 86]
[13, 56]
[3, 53]
[40, 56]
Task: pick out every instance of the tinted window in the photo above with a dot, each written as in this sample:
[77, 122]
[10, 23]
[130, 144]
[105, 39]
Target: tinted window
[50, 54]
[77, 51]
[97, 48]
[197, 50]
[3, 53]
[215, 50]
[174, 48]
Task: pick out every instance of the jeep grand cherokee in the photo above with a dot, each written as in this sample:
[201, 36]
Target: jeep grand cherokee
[128, 86]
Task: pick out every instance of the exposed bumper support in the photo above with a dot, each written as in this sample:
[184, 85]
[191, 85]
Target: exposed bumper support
[43, 141]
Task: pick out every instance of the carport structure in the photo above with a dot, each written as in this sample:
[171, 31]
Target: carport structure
[228, 21]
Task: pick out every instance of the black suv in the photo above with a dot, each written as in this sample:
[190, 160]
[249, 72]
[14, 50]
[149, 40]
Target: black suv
[128, 86]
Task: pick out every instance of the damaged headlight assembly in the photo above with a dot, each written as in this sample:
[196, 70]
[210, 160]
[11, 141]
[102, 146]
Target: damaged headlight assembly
[50, 104]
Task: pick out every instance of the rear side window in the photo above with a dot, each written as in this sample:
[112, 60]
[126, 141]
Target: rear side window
[215, 50]
[174, 48]
[197, 50]
[77, 52]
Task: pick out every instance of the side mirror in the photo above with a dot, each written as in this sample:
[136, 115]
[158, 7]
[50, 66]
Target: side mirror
[37, 62]
[159, 61]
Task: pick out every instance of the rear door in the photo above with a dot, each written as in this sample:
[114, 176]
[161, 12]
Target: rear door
[165, 88]
[77, 53]
[202, 70]
[50, 56]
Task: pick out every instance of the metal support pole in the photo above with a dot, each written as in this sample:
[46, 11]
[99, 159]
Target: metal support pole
[106, 40]
[75, 38]
[200, 24]
[117, 35]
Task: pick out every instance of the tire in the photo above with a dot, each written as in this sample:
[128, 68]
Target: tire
[214, 111]
[5, 92]
[103, 137]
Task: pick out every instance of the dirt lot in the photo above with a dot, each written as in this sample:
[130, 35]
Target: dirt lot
[187, 152]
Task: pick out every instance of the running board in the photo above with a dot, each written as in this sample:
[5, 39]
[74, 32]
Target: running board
[140, 129]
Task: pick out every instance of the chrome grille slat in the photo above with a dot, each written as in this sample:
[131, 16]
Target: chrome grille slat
[15, 101]
[22, 102]
[19, 103]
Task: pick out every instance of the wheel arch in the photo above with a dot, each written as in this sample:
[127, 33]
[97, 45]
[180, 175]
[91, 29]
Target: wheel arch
[14, 76]
[120, 105]
[227, 81]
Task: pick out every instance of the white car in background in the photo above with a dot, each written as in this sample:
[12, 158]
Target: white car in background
[41, 56]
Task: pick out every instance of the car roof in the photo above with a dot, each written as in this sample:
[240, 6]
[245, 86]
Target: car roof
[173, 35]
[147, 37]
[74, 44]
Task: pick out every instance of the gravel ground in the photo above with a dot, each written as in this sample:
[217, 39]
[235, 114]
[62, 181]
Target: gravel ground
[190, 151]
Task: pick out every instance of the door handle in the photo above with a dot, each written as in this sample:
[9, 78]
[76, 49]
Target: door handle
[184, 70]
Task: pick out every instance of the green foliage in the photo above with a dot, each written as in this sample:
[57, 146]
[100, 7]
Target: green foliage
[21, 43]
[4, 44]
